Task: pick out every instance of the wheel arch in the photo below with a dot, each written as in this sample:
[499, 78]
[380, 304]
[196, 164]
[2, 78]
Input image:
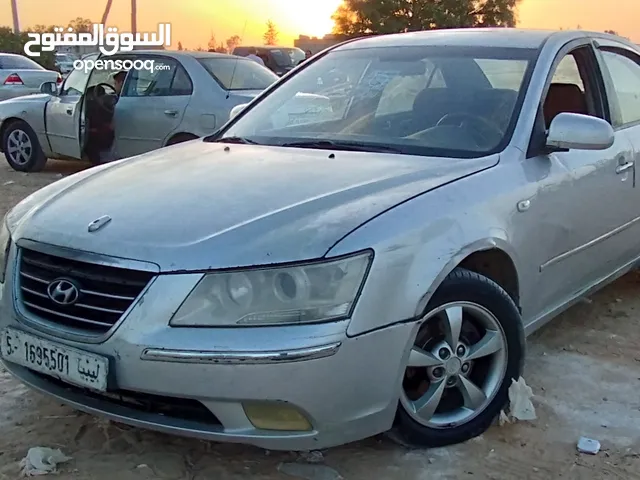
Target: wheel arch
[492, 258]
[171, 140]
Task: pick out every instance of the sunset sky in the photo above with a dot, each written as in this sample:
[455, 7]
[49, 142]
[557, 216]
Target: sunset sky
[193, 21]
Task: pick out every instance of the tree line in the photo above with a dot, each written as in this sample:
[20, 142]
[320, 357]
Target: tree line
[356, 18]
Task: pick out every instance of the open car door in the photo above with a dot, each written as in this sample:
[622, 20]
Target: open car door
[64, 115]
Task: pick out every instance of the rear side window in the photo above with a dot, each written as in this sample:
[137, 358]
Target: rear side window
[238, 73]
[17, 62]
[166, 80]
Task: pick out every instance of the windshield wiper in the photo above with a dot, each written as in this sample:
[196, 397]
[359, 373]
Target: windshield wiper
[341, 145]
[240, 140]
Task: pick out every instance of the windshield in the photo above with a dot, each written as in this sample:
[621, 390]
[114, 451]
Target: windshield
[287, 57]
[438, 101]
[63, 57]
[238, 73]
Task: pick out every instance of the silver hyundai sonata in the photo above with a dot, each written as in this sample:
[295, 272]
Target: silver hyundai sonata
[303, 282]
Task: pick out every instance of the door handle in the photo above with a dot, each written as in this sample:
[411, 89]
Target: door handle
[70, 111]
[171, 113]
[623, 167]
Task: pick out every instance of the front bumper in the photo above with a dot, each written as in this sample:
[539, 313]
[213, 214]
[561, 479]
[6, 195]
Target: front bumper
[347, 388]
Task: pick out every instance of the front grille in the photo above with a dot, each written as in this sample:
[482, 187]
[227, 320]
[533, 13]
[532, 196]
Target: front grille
[105, 293]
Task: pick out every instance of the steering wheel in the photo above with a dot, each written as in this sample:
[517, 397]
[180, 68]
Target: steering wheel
[106, 101]
[483, 131]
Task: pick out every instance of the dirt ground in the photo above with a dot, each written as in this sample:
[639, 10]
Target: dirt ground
[584, 369]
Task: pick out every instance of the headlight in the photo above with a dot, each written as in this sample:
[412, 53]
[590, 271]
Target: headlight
[314, 292]
[4, 247]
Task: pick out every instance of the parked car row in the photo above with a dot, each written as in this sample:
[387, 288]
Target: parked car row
[371, 259]
[187, 95]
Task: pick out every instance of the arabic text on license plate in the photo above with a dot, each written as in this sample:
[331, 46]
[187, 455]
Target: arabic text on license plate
[68, 364]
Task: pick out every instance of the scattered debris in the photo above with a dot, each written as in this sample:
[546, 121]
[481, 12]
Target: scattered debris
[10, 182]
[520, 406]
[309, 472]
[588, 445]
[586, 300]
[42, 461]
[503, 419]
[312, 457]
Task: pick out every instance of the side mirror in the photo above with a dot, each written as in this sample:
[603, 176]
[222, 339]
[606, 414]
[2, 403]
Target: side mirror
[50, 88]
[237, 109]
[580, 132]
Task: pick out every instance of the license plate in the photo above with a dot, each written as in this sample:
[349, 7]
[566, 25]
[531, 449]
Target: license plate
[67, 364]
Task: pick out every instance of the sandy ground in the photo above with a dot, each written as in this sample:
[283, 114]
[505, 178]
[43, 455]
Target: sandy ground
[584, 369]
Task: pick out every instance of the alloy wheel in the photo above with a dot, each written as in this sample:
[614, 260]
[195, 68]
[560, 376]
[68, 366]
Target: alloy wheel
[19, 147]
[455, 367]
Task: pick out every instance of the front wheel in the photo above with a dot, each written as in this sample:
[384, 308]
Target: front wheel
[22, 148]
[467, 349]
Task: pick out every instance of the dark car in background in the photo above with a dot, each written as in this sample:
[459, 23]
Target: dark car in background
[277, 59]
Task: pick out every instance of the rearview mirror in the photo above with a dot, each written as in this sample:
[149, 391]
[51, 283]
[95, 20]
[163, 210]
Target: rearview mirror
[50, 88]
[580, 132]
[237, 109]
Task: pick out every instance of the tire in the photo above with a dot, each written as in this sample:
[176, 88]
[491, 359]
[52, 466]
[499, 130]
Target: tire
[475, 303]
[180, 138]
[29, 157]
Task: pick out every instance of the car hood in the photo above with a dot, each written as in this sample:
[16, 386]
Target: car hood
[200, 205]
[33, 99]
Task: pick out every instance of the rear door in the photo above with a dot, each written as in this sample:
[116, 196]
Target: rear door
[63, 114]
[151, 106]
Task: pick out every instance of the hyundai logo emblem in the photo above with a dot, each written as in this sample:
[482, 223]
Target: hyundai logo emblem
[63, 292]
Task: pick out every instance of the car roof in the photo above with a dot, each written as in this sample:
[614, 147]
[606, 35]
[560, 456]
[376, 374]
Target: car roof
[180, 54]
[472, 37]
[267, 47]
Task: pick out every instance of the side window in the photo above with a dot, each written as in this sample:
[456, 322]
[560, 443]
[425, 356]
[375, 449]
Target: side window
[624, 69]
[159, 82]
[181, 84]
[76, 82]
[570, 90]
[568, 73]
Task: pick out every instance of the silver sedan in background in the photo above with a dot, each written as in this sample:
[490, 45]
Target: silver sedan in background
[377, 265]
[20, 76]
[184, 96]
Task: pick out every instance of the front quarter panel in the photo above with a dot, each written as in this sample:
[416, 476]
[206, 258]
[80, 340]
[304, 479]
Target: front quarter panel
[417, 244]
[30, 109]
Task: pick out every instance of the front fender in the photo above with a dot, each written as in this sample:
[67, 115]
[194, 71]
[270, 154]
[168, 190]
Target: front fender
[417, 244]
[30, 110]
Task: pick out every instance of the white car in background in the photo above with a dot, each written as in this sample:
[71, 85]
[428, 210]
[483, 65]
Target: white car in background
[20, 76]
[64, 62]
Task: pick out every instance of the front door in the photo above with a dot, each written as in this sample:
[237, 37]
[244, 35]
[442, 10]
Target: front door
[151, 106]
[586, 199]
[63, 115]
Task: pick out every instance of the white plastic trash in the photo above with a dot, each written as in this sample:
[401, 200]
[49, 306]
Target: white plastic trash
[42, 461]
[520, 406]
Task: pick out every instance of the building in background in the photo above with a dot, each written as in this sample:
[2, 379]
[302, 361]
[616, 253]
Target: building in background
[316, 44]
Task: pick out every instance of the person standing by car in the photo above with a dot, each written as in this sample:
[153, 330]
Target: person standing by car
[307, 55]
[253, 55]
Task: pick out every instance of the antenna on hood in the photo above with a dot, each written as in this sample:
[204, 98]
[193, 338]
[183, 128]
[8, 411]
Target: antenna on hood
[235, 65]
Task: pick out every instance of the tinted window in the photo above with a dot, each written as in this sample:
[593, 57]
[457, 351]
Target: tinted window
[387, 98]
[286, 57]
[168, 78]
[625, 73]
[17, 62]
[238, 74]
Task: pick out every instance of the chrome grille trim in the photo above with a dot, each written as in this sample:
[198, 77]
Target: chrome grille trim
[105, 292]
